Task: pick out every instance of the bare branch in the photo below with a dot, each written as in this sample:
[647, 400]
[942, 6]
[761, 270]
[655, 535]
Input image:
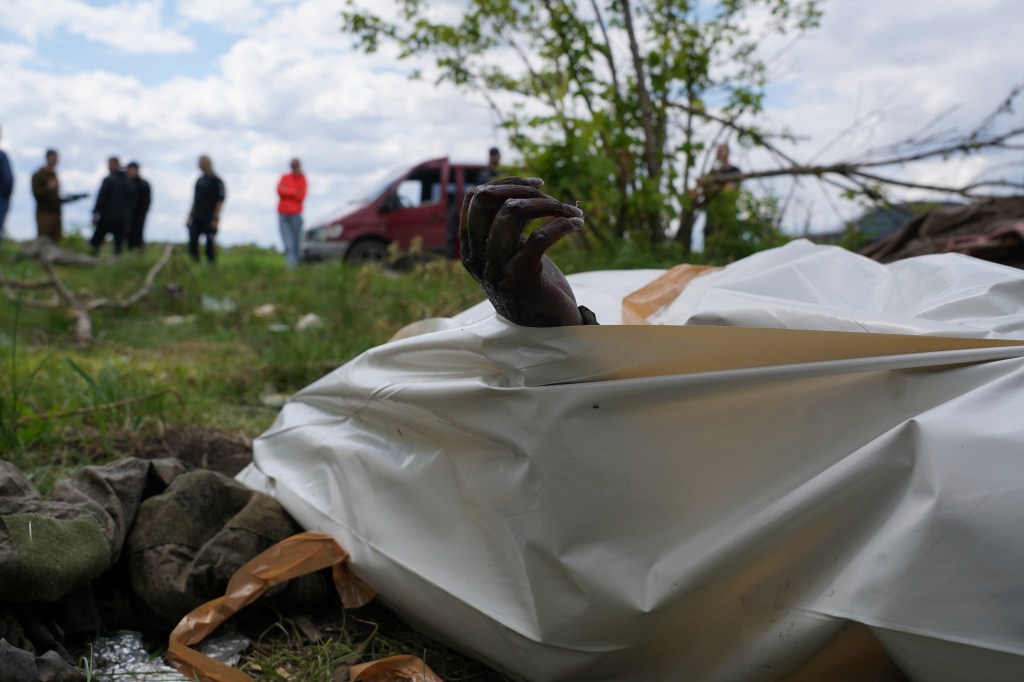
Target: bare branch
[965, 145]
[525, 59]
[608, 54]
[147, 285]
[83, 323]
[80, 309]
[913, 185]
[646, 115]
[857, 173]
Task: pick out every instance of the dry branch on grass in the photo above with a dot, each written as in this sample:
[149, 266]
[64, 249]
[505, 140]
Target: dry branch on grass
[50, 254]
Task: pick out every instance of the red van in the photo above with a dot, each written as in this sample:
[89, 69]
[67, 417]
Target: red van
[422, 202]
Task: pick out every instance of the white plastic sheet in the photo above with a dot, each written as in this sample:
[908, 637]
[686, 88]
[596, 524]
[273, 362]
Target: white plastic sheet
[693, 502]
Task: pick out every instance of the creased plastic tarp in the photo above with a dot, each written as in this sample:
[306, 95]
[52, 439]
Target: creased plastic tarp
[752, 487]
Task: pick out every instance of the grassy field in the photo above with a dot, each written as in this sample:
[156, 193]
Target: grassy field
[206, 346]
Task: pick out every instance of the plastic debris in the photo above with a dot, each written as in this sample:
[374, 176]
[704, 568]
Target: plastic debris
[123, 657]
[218, 305]
[271, 397]
[309, 321]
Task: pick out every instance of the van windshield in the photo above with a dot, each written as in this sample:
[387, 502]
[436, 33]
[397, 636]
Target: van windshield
[376, 189]
[365, 194]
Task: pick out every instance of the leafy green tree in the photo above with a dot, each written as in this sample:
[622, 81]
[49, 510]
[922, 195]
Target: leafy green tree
[614, 104]
[750, 224]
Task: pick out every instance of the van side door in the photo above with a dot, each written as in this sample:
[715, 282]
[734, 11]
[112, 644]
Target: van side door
[418, 208]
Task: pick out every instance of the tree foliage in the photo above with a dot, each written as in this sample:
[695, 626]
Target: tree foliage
[619, 105]
[615, 104]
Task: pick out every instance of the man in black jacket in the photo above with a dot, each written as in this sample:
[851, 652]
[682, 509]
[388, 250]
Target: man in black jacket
[204, 216]
[6, 188]
[112, 213]
[143, 197]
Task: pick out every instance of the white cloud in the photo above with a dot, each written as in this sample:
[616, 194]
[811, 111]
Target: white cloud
[131, 27]
[289, 84]
[881, 70]
[236, 15]
[15, 55]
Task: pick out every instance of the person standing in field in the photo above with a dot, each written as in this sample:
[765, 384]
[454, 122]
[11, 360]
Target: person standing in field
[493, 162]
[721, 197]
[6, 189]
[112, 213]
[143, 198]
[46, 190]
[204, 216]
[292, 191]
[483, 176]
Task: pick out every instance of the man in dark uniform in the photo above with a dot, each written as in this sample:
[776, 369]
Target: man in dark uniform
[204, 216]
[112, 213]
[721, 192]
[483, 176]
[493, 161]
[6, 188]
[143, 198]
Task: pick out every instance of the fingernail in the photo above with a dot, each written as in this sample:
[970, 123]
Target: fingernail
[536, 182]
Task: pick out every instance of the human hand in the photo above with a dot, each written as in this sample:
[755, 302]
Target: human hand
[523, 284]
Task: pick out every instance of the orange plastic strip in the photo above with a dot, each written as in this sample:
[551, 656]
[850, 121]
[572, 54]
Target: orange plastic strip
[394, 669]
[292, 557]
[644, 302]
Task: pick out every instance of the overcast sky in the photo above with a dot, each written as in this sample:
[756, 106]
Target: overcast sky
[253, 83]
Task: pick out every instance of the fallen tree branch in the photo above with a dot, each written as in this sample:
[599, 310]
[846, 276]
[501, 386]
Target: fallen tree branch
[44, 249]
[83, 323]
[147, 285]
[851, 171]
[48, 254]
[141, 293]
[862, 175]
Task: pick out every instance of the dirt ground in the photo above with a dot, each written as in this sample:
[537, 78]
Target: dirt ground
[202, 447]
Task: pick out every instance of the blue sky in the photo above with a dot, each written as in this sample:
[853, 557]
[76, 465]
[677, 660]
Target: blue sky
[253, 83]
[65, 52]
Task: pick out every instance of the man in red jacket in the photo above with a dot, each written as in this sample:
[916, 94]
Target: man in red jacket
[292, 190]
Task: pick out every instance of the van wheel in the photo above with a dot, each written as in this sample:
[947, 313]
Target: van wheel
[367, 252]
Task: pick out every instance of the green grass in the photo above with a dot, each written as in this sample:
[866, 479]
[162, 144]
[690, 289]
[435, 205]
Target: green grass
[197, 365]
[282, 651]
